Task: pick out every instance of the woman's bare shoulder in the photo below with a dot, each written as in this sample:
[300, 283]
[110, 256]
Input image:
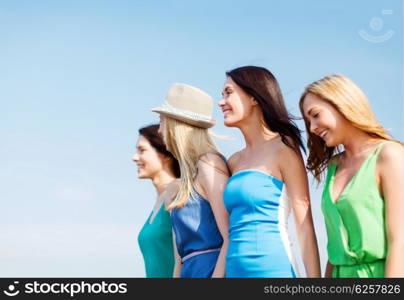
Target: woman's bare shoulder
[171, 191]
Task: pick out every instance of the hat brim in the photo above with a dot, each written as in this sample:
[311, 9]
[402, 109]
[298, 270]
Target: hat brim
[185, 119]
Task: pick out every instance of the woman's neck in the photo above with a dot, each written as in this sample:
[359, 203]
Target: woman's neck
[161, 180]
[256, 132]
[358, 143]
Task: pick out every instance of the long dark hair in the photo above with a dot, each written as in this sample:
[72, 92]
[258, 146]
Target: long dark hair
[263, 86]
[151, 134]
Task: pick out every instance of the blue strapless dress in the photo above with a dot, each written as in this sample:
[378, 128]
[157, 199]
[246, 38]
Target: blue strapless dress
[259, 244]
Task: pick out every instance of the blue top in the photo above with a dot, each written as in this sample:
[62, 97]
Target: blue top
[258, 237]
[195, 226]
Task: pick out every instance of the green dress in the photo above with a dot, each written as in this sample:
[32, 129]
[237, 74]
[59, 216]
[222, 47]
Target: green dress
[156, 244]
[357, 242]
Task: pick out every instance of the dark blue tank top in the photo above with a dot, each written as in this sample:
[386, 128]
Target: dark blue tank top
[195, 226]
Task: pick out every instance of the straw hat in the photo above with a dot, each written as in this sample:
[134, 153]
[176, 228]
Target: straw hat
[188, 104]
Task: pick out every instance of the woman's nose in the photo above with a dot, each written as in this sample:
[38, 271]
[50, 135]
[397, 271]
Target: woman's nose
[313, 127]
[135, 157]
[221, 102]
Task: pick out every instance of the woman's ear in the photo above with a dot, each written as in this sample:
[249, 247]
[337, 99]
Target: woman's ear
[254, 102]
[165, 158]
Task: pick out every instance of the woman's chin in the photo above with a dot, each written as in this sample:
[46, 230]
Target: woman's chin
[142, 175]
[330, 143]
[229, 123]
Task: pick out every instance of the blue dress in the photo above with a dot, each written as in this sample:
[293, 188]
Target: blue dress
[259, 245]
[197, 237]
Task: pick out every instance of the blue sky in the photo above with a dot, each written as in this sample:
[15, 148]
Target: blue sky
[78, 78]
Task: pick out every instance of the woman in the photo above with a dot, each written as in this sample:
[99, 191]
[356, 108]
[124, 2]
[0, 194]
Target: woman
[154, 162]
[200, 221]
[264, 172]
[362, 200]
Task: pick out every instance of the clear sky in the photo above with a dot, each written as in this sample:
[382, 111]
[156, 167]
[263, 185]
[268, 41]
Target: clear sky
[78, 78]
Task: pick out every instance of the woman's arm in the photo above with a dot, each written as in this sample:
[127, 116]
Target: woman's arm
[169, 196]
[178, 264]
[212, 178]
[328, 270]
[391, 168]
[295, 178]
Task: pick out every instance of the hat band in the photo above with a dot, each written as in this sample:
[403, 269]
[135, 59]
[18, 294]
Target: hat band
[186, 113]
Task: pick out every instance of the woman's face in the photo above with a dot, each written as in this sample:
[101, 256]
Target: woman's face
[236, 104]
[324, 120]
[148, 160]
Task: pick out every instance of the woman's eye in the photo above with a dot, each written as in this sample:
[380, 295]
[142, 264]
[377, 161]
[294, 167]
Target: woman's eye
[315, 115]
[227, 92]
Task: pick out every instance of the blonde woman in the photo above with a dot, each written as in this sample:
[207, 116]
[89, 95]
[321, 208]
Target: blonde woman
[363, 196]
[199, 219]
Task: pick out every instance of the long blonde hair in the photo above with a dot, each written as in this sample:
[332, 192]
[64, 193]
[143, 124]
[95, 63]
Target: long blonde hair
[349, 100]
[187, 143]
